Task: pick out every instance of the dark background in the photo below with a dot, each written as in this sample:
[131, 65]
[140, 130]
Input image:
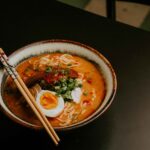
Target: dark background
[126, 124]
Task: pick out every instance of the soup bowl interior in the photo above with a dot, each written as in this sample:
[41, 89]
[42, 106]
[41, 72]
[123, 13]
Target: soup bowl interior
[64, 46]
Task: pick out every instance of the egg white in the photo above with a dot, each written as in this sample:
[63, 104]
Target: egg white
[51, 112]
[76, 95]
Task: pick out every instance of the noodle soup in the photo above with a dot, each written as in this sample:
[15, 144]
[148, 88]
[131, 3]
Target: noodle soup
[73, 84]
[68, 88]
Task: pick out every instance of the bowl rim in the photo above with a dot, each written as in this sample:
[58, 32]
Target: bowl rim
[85, 121]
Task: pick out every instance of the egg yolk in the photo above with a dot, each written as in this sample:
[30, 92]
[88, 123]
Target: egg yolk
[48, 100]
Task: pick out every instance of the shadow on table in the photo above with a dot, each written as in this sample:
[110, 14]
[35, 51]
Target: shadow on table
[96, 135]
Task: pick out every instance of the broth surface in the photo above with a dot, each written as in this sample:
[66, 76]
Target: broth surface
[52, 68]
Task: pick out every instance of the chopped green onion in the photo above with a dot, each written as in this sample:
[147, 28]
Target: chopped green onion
[57, 87]
[80, 85]
[48, 70]
[85, 93]
[66, 71]
[67, 95]
[69, 65]
[63, 71]
[71, 80]
[63, 80]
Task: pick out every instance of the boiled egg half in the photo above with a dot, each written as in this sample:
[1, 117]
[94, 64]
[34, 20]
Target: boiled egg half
[50, 104]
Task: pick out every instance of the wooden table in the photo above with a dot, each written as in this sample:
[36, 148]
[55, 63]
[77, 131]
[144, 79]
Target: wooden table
[126, 125]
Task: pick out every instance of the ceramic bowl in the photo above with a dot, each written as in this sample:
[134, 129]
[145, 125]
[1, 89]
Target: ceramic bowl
[65, 46]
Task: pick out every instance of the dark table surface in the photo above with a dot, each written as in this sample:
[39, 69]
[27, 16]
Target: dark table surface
[126, 125]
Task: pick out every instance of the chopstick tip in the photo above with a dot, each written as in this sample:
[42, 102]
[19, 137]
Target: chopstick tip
[57, 144]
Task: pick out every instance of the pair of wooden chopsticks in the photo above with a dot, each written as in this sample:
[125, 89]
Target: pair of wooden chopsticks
[28, 96]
